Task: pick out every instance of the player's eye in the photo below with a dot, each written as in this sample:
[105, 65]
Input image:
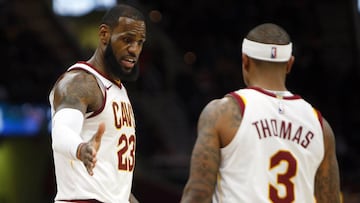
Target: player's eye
[127, 40]
[141, 42]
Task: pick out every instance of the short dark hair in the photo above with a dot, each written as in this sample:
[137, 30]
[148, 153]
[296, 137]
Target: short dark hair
[111, 17]
[269, 33]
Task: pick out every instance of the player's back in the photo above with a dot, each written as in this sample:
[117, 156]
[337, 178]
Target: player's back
[275, 153]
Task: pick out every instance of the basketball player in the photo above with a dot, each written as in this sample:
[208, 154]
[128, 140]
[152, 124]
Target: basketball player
[93, 125]
[263, 143]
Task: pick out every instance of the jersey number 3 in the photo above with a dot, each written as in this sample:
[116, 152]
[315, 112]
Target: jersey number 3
[126, 154]
[284, 179]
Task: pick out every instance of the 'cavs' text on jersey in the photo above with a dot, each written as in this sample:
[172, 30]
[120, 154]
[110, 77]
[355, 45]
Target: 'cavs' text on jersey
[123, 114]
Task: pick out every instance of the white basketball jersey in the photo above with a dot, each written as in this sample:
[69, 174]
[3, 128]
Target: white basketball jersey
[113, 173]
[275, 153]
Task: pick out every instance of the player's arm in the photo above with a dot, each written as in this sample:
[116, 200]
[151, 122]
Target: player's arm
[132, 198]
[205, 158]
[216, 126]
[74, 94]
[327, 181]
[77, 90]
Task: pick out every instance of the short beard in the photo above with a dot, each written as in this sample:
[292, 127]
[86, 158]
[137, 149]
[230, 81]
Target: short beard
[115, 69]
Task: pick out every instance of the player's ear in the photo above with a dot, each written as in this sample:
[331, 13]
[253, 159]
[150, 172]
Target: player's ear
[245, 62]
[104, 34]
[290, 63]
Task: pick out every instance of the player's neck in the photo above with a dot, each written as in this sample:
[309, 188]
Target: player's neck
[280, 92]
[97, 62]
[269, 85]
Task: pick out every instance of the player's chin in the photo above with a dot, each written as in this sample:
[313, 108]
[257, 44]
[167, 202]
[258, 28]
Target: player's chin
[127, 70]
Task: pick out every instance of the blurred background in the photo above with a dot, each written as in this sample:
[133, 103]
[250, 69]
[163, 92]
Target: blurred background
[192, 55]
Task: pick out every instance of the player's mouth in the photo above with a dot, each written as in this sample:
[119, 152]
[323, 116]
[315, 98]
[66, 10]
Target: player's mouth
[128, 63]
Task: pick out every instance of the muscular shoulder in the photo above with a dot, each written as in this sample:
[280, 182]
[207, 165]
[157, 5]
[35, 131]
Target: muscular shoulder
[224, 116]
[77, 89]
[329, 137]
[217, 108]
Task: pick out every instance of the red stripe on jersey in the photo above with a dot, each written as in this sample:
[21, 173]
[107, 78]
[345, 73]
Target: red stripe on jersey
[95, 113]
[319, 117]
[105, 90]
[240, 101]
[273, 95]
[105, 76]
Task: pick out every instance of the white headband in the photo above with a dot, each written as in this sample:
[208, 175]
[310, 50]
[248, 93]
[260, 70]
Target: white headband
[267, 52]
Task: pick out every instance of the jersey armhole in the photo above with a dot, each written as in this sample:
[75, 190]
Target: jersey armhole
[102, 88]
[240, 100]
[319, 116]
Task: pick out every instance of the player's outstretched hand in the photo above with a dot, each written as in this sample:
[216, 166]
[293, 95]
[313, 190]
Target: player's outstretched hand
[87, 151]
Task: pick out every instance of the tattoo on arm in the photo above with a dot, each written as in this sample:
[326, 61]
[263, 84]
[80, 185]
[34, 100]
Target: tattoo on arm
[205, 160]
[76, 90]
[327, 186]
